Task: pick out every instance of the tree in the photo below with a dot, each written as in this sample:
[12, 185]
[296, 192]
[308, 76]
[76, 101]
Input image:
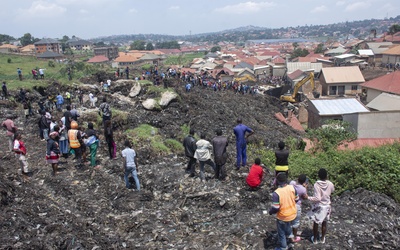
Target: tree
[295, 45]
[394, 29]
[6, 38]
[319, 49]
[99, 44]
[215, 49]
[64, 39]
[299, 53]
[168, 45]
[138, 45]
[27, 39]
[149, 46]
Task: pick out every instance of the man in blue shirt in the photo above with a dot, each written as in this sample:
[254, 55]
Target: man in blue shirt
[240, 132]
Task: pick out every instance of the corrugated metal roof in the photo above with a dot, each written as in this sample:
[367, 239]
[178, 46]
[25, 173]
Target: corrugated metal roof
[385, 102]
[392, 51]
[345, 56]
[304, 66]
[351, 74]
[378, 48]
[338, 106]
[387, 83]
[367, 52]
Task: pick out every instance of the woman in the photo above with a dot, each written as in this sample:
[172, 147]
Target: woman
[108, 134]
[63, 141]
[53, 152]
[92, 143]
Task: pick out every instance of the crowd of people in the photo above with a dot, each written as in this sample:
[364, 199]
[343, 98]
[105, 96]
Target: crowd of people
[287, 197]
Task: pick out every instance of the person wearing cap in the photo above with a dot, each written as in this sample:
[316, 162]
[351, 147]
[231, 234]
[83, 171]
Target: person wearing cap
[284, 206]
[301, 189]
[75, 141]
[9, 125]
[242, 132]
[53, 151]
[321, 207]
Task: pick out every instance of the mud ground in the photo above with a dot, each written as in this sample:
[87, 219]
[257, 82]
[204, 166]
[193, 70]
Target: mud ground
[91, 208]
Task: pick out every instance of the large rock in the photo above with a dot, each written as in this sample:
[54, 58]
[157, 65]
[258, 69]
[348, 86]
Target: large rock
[121, 99]
[135, 90]
[167, 97]
[150, 104]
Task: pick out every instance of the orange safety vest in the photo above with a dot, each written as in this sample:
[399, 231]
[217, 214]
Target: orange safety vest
[287, 210]
[73, 138]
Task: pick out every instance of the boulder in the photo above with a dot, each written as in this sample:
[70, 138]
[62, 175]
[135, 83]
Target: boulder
[150, 104]
[135, 90]
[167, 97]
[121, 99]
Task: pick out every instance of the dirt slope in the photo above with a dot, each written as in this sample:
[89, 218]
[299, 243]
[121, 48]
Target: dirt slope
[91, 209]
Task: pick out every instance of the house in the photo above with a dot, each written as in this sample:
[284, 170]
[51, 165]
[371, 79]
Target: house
[304, 66]
[152, 59]
[49, 55]
[391, 56]
[339, 81]
[378, 124]
[335, 51]
[389, 83]
[28, 49]
[8, 48]
[48, 44]
[385, 102]
[79, 44]
[378, 49]
[344, 59]
[109, 52]
[126, 59]
[321, 110]
[98, 59]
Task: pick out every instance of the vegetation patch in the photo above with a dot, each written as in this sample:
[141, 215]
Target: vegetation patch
[147, 136]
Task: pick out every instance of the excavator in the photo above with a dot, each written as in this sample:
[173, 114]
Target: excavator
[293, 97]
[245, 78]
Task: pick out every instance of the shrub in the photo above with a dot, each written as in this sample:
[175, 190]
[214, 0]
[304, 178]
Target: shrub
[174, 145]
[51, 64]
[9, 60]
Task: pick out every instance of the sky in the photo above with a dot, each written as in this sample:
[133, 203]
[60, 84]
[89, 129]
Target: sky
[88, 19]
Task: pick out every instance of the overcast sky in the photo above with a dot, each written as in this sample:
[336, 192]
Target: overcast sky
[94, 18]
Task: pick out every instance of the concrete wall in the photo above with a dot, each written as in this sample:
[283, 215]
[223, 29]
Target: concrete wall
[372, 94]
[379, 124]
[390, 59]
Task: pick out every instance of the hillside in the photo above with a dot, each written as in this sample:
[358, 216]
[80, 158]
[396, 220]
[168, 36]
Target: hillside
[91, 208]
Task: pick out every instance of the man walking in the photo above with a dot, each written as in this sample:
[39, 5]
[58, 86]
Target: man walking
[284, 206]
[130, 165]
[4, 89]
[220, 143]
[19, 72]
[8, 124]
[189, 143]
[242, 132]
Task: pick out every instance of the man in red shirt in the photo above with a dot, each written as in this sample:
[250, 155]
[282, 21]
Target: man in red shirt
[255, 175]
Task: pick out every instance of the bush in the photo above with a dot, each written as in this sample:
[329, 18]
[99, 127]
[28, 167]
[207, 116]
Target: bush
[9, 60]
[51, 64]
[174, 145]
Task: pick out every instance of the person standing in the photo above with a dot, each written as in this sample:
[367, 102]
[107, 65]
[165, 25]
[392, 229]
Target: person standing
[281, 156]
[41, 73]
[68, 117]
[4, 89]
[75, 142]
[255, 176]
[189, 143]
[109, 135]
[130, 165]
[92, 143]
[44, 126]
[301, 189]
[59, 102]
[53, 152]
[220, 143]
[242, 132]
[127, 72]
[321, 207]
[69, 74]
[63, 141]
[68, 97]
[203, 154]
[19, 72]
[284, 206]
[105, 110]
[20, 152]
[74, 112]
[9, 125]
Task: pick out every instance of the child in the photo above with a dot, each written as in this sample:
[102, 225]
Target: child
[53, 152]
[20, 152]
[321, 209]
[301, 189]
[255, 176]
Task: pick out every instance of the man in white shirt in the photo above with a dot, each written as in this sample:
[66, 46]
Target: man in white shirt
[130, 165]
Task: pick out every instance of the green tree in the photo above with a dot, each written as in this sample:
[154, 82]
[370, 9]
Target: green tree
[27, 39]
[394, 29]
[332, 134]
[295, 45]
[6, 38]
[319, 49]
[64, 39]
[149, 46]
[299, 53]
[215, 49]
[168, 45]
[99, 44]
[138, 45]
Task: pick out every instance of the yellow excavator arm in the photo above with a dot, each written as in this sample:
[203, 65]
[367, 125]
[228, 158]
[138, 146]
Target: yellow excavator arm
[245, 78]
[297, 86]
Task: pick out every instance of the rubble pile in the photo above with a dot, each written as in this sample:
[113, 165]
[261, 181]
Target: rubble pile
[91, 208]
